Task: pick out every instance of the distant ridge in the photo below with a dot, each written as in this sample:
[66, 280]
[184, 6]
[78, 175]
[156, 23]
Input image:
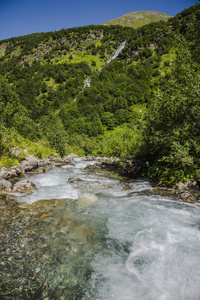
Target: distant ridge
[138, 18]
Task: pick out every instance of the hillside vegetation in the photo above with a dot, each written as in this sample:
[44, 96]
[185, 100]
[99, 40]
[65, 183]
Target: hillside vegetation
[144, 104]
[137, 19]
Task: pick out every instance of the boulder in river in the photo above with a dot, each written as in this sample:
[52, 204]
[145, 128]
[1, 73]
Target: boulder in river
[23, 186]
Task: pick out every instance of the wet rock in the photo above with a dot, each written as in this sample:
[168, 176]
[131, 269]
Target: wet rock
[180, 192]
[162, 191]
[188, 191]
[134, 168]
[23, 186]
[44, 215]
[45, 203]
[5, 185]
[39, 170]
[93, 167]
[86, 200]
[73, 180]
[187, 197]
[89, 186]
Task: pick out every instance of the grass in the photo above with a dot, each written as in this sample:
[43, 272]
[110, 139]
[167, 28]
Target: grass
[13, 142]
[138, 19]
[79, 57]
[166, 62]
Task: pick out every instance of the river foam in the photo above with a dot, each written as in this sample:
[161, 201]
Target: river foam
[150, 244]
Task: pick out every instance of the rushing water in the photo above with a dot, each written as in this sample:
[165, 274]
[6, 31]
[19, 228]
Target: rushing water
[143, 247]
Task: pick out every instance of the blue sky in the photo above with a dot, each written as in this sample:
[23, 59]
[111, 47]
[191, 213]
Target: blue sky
[20, 17]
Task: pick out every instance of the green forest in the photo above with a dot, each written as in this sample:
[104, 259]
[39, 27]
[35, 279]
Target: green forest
[145, 104]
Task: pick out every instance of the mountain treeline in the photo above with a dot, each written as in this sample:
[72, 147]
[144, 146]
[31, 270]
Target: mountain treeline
[144, 104]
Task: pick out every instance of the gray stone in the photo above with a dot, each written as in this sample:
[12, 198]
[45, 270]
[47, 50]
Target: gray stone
[16, 151]
[187, 197]
[30, 165]
[23, 186]
[19, 169]
[43, 162]
[5, 185]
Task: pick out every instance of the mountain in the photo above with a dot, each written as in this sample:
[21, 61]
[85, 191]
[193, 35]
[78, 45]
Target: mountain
[58, 89]
[139, 18]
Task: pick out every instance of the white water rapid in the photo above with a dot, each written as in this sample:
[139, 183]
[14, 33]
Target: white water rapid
[150, 245]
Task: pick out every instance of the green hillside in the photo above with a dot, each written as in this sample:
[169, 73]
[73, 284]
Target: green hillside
[138, 18]
[143, 104]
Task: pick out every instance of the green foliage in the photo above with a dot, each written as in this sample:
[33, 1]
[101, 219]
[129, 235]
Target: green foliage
[172, 126]
[12, 141]
[55, 133]
[2, 147]
[14, 114]
[122, 142]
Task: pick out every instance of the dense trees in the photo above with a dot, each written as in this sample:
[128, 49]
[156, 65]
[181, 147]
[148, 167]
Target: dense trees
[172, 131]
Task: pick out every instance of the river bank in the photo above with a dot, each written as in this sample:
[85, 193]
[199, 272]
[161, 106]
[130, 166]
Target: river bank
[188, 192]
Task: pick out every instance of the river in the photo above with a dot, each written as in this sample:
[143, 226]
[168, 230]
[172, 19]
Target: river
[97, 235]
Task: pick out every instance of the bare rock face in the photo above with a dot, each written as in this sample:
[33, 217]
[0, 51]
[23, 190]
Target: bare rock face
[23, 186]
[5, 185]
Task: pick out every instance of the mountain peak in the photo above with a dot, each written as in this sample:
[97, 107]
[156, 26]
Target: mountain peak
[138, 18]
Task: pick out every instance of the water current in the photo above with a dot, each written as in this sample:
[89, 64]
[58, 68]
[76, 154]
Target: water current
[127, 244]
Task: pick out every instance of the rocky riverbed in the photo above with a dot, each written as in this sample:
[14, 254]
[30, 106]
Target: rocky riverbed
[47, 247]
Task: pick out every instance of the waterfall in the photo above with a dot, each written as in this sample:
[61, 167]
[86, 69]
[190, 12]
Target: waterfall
[112, 56]
[88, 80]
[116, 53]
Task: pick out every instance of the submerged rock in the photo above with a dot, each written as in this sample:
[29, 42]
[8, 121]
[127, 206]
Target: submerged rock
[87, 199]
[73, 180]
[45, 250]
